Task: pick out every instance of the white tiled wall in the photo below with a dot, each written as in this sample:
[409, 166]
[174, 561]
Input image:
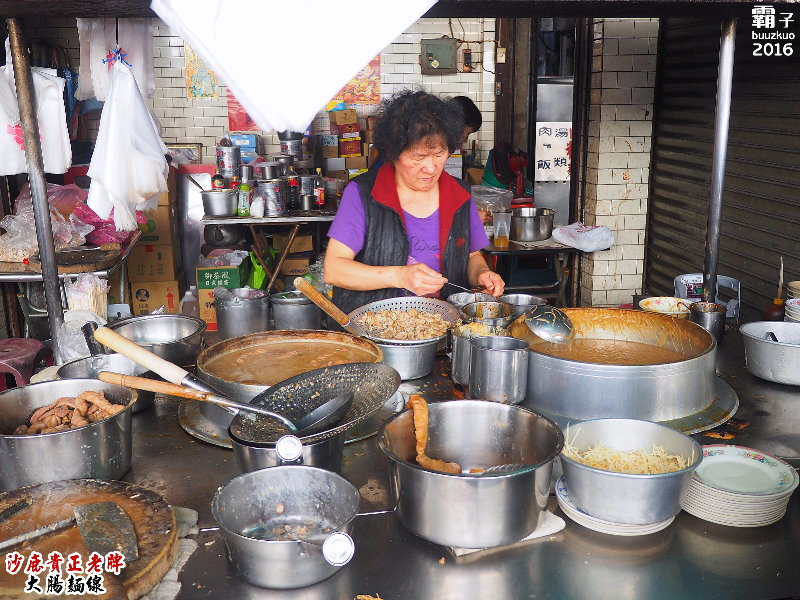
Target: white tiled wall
[204, 120]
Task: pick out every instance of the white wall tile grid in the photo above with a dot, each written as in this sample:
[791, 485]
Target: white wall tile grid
[204, 120]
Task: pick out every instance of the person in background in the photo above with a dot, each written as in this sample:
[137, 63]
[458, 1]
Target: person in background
[408, 227]
[472, 123]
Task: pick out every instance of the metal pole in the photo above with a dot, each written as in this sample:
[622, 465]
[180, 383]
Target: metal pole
[33, 156]
[721, 123]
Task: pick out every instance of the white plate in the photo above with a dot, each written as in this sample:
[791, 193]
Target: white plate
[583, 518]
[699, 496]
[741, 470]
[733, 523]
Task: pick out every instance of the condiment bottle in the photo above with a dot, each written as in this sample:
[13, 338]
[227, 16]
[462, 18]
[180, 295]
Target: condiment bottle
[774, 311]
[245, 198]
[217, 182]
[319, 189]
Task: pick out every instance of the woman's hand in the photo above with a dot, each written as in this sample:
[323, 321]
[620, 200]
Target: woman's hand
[492, 283]
[420, 279]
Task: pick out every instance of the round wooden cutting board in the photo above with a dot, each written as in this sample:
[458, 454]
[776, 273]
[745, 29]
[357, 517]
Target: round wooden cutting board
[153, 520]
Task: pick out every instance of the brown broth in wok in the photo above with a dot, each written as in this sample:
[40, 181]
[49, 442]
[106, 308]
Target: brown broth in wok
[610, 352]
[269, 364]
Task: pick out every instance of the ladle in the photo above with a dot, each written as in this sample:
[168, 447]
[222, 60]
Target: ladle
[328, 307]
[550, 323]
[194, 181]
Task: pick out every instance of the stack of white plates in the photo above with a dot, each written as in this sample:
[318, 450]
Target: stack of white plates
[581, 517]
[792, 307]
[793, 290]
[740, 487]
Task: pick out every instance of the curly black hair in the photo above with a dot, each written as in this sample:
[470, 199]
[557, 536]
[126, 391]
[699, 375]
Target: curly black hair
[413, 116]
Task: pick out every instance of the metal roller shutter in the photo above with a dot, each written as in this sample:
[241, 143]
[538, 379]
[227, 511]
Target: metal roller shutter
[761, 201]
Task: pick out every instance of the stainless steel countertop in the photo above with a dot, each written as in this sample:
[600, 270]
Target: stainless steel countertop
[690, 559]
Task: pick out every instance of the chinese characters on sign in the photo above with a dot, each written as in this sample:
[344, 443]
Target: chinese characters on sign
[553, 149]
[771, 31]
[60, 576]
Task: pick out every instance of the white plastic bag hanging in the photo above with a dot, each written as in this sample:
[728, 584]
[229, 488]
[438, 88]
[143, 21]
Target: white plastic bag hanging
[128, 168]
[583, 237]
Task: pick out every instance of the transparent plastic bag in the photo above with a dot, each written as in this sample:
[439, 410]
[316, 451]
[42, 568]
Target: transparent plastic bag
[492, 199]
[583, 237]
[71, 341]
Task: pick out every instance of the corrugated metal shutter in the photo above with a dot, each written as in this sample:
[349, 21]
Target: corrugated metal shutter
[761, 206]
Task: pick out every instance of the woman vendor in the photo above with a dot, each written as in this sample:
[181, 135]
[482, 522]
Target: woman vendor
[408, 227]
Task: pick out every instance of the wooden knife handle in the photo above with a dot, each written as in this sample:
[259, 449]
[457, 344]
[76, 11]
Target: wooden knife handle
[139, 355]
[326, 305]
[151, 385]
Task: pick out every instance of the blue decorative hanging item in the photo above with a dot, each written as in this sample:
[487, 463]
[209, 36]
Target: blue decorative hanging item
[116, 54]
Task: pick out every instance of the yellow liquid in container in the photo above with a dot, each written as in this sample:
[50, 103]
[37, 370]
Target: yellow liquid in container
[501, 241]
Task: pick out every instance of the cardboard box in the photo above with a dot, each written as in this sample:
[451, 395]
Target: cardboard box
[350, 147]
[335, 164]
[301, 243]
[244, 139]
[342, 117]
[328, 140]
[329, 151]
[355, 172]
[153, 262]
[206, 310]
[348, 130]
[168, 197]
[341, 175]
[356, 162]
[161, 226]
[296, 264]
[146, 296]
[228, 277]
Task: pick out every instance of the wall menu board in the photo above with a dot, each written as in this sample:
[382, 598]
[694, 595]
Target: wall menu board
[553, 150]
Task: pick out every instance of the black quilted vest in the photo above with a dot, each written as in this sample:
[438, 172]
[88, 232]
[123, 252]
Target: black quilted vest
[386, 244]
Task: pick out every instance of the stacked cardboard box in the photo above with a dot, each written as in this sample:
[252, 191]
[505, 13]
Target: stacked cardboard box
[300, 253]
[154, 266]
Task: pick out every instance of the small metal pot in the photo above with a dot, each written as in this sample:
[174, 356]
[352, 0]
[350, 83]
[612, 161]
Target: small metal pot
[493, 314]
[462, 349]
[498, 369]
[521, 303]
[220, 203]
[284, 492]
[89, 367]
[411, 361]
[175, 338]
[240, 315]
[461, 299]
[532, 224]
[472, 510]
[293, 310]
[97, 451]
[709, 316]
[777, 361]
[324, 454]
[623, 497]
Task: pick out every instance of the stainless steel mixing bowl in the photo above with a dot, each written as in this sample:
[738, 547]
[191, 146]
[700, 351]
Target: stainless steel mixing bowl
[622, 497]
[176, 338]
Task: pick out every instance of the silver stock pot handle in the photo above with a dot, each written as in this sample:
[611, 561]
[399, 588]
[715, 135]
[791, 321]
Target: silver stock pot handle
[289, 449]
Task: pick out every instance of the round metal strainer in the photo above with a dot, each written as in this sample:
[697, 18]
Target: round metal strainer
[372, 384]
[431, 305]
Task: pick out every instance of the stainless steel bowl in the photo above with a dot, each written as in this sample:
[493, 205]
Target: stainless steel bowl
[532, 224]
[220, 203]
[774, 361]
[521, 303]
[461, 299]
[471, 510]
[303, 492]
[498, 369]
[97, 451]
[622, 497]
[493, 314]
[89, 367]
[411, 361]
[176, 338]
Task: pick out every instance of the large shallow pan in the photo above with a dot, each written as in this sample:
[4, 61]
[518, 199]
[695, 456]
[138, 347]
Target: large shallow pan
[97, 451]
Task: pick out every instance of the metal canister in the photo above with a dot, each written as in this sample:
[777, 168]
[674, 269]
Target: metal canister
[284, 161]
[274, 202]
[272, 170]
[307, 185]
[229, 159]
[246, 173]
[292, 147]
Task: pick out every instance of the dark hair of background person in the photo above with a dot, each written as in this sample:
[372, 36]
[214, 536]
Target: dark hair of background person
[472, 116]
[410, 117]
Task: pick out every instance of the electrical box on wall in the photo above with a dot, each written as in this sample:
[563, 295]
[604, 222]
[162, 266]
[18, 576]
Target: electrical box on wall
[438, 56]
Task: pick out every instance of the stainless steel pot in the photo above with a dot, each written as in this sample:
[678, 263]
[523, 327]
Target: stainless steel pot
[223, 235]
[240, 315]
[461, 299]
[220, 203]
[532, 224]
[471, 510]
[493, 314]
[498, 369]
[97, 451]
[661, 392]
[777, 361]
[293, 310]
[411, 361]
[89, 367]
[521, 302]
[623, 497]
[324, 454]
[176, 338]
[282, 495]
[461, 337]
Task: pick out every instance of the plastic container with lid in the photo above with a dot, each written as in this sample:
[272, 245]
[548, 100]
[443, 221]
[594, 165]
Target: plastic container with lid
[189, 304]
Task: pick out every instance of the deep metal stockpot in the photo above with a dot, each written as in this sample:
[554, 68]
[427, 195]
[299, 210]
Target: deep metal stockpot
[498, 369]
[472, 510]
[532, 224]
[624, 497]
[176, 338]
[411, 361]
[97, 451]
[271, 341]
[324, 454]
[292, 310]
[772, 360]
[580, 390]
[240, 314]
[90, 366]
